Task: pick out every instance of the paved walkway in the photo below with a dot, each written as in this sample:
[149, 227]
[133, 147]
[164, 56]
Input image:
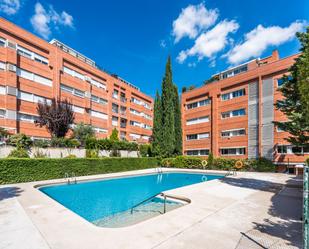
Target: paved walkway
[252, 210]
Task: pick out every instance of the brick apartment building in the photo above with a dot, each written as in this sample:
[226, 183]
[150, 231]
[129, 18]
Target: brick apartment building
[33, 70]
[233, 116]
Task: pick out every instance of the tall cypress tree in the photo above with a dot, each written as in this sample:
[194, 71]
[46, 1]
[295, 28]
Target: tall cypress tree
[296, 92]
[178, 128]
[168, 117]
[157, 126]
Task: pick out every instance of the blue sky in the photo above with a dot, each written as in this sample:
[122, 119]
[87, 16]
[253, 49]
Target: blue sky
[134, 38]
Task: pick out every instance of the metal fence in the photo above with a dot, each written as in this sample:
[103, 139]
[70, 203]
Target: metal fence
[306, 207]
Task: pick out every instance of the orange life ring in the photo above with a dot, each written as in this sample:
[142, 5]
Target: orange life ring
[239, 165]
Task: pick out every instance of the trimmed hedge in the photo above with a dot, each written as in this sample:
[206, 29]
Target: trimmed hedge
[27, 170]
[260, 164]
[183, 162]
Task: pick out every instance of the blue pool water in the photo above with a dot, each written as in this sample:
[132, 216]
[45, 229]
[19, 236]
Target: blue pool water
[95, 200]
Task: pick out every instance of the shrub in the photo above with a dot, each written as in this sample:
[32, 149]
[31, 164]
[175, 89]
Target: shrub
[210, 160]
[26, 170]
[182, 162]
[58, 142]
[145, 150]
[114, 136]
[223, 163]
[18, 153]
[82, 132]
[262, 165]
[92, 153]
[40, 143]
[62, 142]
[39, 154]
[107, 144]
[115, 153]
[20, 141]
[72, 143]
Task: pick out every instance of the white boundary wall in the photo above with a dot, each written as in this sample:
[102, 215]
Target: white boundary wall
[63, 152]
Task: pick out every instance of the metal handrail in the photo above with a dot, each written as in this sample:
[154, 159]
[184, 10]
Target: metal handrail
[165, 196]
[145, 201]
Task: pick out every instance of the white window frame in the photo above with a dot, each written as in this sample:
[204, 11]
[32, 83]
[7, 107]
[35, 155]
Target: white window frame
[97, 114]
[199, 120]
[238, 151]
[231, 132]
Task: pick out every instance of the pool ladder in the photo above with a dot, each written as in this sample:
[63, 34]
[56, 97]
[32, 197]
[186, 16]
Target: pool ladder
[159, 170]
[70, 179]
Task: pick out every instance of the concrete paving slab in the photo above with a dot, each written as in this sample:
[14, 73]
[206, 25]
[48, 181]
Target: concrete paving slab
[220, 212]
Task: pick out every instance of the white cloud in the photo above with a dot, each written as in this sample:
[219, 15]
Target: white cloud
[210, 42]
[9, 7]
[258, 39]
[45, 19]
[192, 20]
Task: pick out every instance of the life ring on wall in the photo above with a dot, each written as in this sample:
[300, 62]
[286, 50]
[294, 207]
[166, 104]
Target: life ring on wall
[204, 163]
[239, 165]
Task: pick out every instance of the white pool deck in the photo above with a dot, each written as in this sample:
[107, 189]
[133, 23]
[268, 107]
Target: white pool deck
[250, 210]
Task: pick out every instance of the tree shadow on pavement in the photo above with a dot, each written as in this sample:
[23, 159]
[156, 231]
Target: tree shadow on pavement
[283, 226]
[9, 192]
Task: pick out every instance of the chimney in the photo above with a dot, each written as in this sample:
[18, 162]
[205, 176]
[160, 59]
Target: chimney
[275, 55]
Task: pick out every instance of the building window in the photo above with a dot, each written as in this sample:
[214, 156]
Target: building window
[98, 100]
[2, 42]
[199, 120]
[198, 136]
[2, 113]
[97, 84]
[72, 90]
[100, 130]
[115, 108]
[73, 73]
[26, 117]
[31, 55]
[235, 71]
[34, 77]
[2, 65]
[233, 151]
[199, 152]
[232, 95]
[98, 114]
[235, 113]
[115, 121]
[78, 109]
[283, 80]
[233, 133]
[115, 94]
[32, 97]
[2, 90]
[198, 104]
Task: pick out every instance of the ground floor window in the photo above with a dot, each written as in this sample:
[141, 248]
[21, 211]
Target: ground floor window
[232, 151]
[291, 149]
[200, 152]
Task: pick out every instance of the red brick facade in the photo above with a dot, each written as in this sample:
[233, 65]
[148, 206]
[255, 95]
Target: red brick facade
[32, 69]
[240, 111]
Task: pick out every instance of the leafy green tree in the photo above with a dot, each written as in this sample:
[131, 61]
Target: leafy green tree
[177, 118]
[114, 136]
[82, 132]
[295, 90]
[157, 125]
[168, 117]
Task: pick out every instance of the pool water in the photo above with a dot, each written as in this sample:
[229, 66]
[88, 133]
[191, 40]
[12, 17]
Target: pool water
[99, 201]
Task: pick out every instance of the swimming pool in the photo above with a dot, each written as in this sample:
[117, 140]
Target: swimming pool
[96, 200]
